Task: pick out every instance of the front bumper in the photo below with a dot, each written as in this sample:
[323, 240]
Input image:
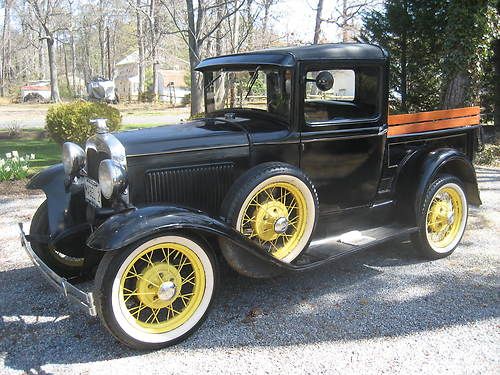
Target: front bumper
[84, 300]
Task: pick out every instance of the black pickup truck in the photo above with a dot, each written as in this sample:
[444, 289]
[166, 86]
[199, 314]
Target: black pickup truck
[295, 164]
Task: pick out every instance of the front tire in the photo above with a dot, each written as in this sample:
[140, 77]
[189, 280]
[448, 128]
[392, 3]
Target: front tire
[442, 218]
[157, 292]
[63, 265]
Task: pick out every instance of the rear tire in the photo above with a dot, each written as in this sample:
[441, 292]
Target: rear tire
[156, 292]
[442, 218]
[63, 265]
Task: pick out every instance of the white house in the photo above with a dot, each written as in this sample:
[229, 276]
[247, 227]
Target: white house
[171, 78]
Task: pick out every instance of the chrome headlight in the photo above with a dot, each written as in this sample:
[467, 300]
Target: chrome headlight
[73, 158]
[112, 178]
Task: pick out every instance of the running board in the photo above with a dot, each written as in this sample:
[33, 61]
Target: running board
[330, 248]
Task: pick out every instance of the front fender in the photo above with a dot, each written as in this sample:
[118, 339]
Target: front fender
[452, 162]
[128, 227]
[51, 181]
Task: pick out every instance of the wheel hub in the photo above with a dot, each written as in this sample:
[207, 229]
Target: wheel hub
[158, 285]
[441, 216]
[281, 225]
[270, 220]
[167, 291]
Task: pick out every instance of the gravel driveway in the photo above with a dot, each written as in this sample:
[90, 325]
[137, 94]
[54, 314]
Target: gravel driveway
[380, 311]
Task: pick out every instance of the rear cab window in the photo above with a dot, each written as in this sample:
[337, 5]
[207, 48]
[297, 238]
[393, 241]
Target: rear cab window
[354, 96]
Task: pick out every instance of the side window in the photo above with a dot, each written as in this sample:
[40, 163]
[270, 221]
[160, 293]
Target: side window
[341, 95]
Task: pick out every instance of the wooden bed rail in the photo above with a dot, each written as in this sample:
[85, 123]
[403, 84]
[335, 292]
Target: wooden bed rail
[434, 120]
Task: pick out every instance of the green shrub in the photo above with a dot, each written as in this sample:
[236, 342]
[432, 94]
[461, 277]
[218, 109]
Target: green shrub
[71, 121]
[14, 167]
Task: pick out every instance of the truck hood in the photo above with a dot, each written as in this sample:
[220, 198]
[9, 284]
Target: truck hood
[195, 135]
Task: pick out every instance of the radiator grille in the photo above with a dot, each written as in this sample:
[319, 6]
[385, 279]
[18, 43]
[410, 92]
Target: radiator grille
[202, 187]
[94, 158]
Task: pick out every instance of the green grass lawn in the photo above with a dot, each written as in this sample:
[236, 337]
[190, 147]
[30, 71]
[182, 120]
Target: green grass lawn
[47, 152]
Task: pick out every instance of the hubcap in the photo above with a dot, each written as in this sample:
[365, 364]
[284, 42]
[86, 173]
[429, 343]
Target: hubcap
[166, 291]
[444, 217]
[275, 217]
[281, 225]
[162, 287]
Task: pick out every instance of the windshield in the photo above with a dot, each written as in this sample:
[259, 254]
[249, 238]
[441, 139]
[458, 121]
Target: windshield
[259, 89]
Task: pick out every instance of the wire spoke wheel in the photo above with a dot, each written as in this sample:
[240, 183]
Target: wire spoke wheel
[445, 217]
[275, 218]
[162, 287]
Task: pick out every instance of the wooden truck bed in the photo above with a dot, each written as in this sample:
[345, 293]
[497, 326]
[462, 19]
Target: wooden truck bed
[434, 120]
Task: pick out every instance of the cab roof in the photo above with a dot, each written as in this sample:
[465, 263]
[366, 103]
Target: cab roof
[289, 56]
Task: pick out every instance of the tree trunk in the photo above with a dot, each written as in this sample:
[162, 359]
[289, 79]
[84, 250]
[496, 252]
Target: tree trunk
[100, 34]
[218, 33]
[66, 70]
[5, 48]
[41, 61]
[236, 29]
[108, 54]
[154, 57]
[265, 27]
[54, 89]
[140, 47]
[317, 27]
[404, 72]
[497, 85]
[194, 59]
[73, 64]
[455, 94]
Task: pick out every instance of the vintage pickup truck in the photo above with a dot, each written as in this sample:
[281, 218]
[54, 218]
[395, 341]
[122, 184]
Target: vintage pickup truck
[295, 164]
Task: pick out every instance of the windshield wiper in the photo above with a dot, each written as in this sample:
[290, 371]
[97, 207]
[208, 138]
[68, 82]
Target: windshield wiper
[212, 81]
[252, 81]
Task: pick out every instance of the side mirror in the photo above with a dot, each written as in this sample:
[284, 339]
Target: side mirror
[324, 80]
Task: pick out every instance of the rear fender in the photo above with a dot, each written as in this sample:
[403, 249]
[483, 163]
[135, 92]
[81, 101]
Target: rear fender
[51, 181]
[453, 162]
[421, 168]
[128, 227]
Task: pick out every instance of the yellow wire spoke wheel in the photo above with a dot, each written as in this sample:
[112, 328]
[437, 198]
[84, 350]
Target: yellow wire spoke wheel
[276, 216]
[162, 286]
[156, 293]
[445, 218]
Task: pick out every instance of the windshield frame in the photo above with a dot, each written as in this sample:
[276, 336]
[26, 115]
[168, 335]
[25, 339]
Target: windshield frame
[210, 76]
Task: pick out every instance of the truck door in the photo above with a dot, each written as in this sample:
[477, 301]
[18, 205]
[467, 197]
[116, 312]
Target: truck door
[342, 111]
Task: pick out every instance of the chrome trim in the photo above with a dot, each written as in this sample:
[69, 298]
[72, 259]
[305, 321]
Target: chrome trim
[382, 203]
[108, 143]
[341, 137]
[273, 143]
[84, 300]
[188, 150]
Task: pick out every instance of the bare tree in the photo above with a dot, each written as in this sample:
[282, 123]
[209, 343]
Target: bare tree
[319, 20]
[345, 14]
[140, 47]
[6, 47]
[196, 27]
[50, 16]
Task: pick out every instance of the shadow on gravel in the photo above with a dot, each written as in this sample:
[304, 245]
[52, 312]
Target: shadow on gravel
[383, 293]
[487, 174]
